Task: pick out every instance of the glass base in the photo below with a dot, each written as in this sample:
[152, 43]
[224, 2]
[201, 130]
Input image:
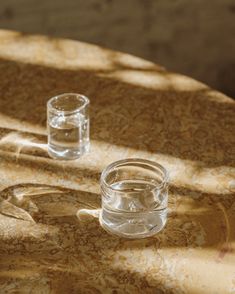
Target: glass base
[67, 154]
[139, 226]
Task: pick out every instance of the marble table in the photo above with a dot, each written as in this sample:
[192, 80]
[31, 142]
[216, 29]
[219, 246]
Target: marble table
[50, 237]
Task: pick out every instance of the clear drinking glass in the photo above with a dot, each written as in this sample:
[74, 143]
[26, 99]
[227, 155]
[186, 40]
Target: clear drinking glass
[68, 126]
[134, 198]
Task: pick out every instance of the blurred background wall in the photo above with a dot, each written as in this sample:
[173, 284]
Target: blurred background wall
[193, 37]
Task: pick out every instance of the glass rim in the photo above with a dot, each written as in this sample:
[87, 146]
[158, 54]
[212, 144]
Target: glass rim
[50, 107]
[140, 161]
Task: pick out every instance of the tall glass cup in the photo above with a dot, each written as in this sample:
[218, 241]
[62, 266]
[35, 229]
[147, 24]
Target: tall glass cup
[68, 126]
[134, 198]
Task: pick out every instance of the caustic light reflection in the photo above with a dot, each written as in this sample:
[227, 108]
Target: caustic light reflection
[17, 202]
[84, 213]
[19, 141]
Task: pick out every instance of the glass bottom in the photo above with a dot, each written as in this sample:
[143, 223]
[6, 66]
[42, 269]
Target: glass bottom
[67, 153]
[133, 225]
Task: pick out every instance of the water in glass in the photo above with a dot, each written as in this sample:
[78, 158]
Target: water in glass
[68, 136]
[138, 211]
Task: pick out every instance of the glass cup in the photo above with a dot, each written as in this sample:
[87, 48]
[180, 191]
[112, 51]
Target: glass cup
[68, 126]
[134, 198]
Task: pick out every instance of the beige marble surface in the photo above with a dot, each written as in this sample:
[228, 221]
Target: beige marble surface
[50, 237]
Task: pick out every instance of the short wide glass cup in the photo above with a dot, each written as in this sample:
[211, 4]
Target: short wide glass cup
[68, 126]
[134, 198]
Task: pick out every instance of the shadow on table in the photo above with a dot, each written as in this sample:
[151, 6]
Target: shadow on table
[17, 142]
[80, 276]
[148, 109]
[55, 237]
[57, 206]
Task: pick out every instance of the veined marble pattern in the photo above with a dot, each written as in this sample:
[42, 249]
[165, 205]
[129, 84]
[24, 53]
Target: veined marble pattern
[50, 237]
